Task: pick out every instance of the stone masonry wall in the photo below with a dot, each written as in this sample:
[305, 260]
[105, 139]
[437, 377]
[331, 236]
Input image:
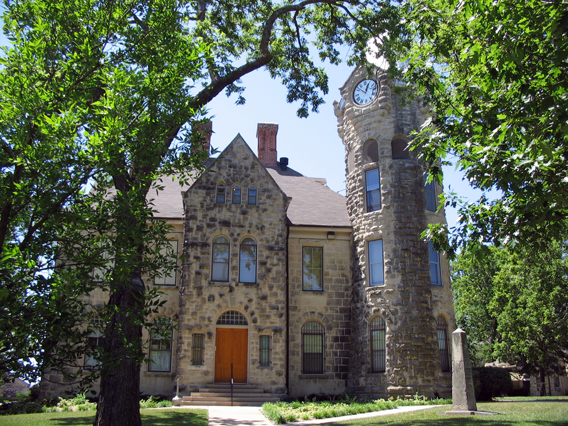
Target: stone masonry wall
[406, 300]
[330, 307]
[203, 301]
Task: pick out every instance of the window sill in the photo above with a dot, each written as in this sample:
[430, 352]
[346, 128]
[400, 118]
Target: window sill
[160, 373]
[323, 376]
[376, 374]
[313, 291]
[220, 283]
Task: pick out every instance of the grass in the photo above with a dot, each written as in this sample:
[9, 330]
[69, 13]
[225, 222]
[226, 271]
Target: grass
[287, 412]
[169, 417]
[533, 411]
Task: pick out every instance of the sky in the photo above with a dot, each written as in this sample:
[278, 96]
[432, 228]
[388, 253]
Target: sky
[311, 144]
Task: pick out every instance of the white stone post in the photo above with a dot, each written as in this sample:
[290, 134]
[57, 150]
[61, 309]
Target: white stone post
[177, 400]
[463, 395]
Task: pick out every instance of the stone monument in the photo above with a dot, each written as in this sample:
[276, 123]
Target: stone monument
[463, 395]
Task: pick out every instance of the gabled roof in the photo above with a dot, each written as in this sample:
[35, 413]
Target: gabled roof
[312, 204]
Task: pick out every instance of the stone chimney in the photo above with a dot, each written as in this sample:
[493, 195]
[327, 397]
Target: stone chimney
[206, 129]
[266, 135]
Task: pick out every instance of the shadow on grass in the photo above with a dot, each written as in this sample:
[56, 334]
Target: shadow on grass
[173, 418]
[532, 400]
[454, 421]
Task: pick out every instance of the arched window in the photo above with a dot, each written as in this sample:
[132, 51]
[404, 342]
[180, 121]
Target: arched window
[220, 197]
[370, 152]
[220, 255]
[236, 195]
[232, 318]
[247, 261]
[373, 189]
[399, 149]
[378, 344]
[312, 348]
[252, 195]
[442, 328]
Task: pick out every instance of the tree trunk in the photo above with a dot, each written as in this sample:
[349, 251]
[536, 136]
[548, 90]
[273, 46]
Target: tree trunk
[541, 378]
[119, 403]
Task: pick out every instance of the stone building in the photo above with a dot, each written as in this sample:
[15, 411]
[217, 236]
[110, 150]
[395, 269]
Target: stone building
[288, 286]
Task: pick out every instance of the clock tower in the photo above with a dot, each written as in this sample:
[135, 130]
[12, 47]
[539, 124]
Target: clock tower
[401, 309]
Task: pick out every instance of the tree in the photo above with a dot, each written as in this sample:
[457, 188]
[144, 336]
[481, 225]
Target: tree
[514, 304]
[126, 81]
[496, 76]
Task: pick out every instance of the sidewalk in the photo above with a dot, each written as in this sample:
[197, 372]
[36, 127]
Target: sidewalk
[230, 416]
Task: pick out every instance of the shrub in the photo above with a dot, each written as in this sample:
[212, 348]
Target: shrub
[491, 382]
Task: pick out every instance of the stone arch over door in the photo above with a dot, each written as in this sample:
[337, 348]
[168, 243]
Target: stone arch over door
[231, 343]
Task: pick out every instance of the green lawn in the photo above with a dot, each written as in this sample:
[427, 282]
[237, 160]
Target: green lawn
[151, 417]
[547, 411]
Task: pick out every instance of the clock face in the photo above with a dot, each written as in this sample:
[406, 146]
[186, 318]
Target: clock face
[365, 92]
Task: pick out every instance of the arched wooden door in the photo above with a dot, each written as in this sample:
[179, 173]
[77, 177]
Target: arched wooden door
[231, 343]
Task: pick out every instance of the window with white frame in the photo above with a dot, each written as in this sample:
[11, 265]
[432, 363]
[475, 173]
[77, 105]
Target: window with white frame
[376, 263]
[435, 273]
[95, 343]
[236, 195]
[247, 261]
[160, 351]
[220, 259]
[373, 189]
[312, 268]
[168, 277]
[220, 197]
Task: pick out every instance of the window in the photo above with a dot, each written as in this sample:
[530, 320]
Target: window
[373, 186]
[160, 351]
[101, 271]
[236, 197]
[265, 350]
[370, 152]
[95, 343]
[168, 277]
[435, 276]
[442, 328]
[220, 195]
[220, 255]
[312, 348]
[252, 195]
[197, 349]
[232, 318]
[430, 193]
[378, 345]
[247, 261]
[312, 266]
[399, 149]
[377, 273]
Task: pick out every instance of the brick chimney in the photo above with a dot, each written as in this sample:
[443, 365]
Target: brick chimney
[266, 135]
[206, 129]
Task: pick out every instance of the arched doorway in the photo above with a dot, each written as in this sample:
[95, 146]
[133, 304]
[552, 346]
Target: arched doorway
[231, 343]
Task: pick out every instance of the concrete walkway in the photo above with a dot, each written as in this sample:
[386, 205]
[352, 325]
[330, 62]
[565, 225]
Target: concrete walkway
[230, 416]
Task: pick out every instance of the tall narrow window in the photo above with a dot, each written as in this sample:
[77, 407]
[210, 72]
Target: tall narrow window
[435, 276]
[160, 351]
[247, 261]
[220, 195]
[95, 343]
[168, 277]
[236, 196]
[442, 328]
[312, 348]
[252, 195]
[376, 266]
[197, 349]
[373, 186]
[265, 350]
[430, 194]
[378, 345]
[220, 267]
[312, 266]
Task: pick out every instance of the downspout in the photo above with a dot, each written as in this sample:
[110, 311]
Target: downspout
[287, 310]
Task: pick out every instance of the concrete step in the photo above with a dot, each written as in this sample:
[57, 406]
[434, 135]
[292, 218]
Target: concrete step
[220, 394]
[223, 403]
[214, 393]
